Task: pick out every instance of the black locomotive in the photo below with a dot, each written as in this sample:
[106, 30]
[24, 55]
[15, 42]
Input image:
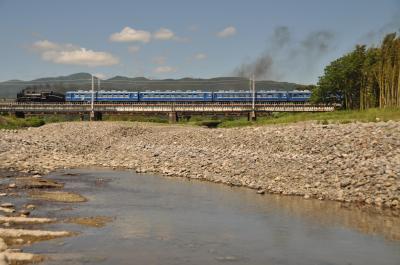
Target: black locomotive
[33, 95]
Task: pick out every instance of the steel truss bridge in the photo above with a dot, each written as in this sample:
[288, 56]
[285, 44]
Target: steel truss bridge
[173, 109]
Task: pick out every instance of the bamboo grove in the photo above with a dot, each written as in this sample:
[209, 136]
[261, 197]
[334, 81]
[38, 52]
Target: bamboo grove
[364, 78]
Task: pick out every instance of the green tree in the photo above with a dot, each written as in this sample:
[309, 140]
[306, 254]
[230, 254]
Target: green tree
[364, 77]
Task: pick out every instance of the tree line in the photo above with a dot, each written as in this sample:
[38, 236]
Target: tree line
[366, 77]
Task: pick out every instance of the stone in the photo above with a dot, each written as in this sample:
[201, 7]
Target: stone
[295, 160]
[3, 245]
[19, 241]
[261, 192]
[7, 205]
[30, 207]
[378, 201]
[24, 212]
[344, 183]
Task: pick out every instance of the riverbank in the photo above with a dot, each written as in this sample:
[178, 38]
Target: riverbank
[336, 117]
[357, 162]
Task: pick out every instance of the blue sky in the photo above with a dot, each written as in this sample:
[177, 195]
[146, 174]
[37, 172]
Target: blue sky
[178, 38]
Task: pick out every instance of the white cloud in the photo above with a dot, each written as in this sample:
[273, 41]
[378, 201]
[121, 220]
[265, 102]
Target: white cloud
[159, 60]
[129, 34]
[72, 54]
[133, 49]
[200, 56]
[227, 32]
[164, 69]
[80, 57]
[45, 45]
[164, 34]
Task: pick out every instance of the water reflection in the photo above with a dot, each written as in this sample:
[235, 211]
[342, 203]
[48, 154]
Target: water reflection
[364, 219]
[175, 221]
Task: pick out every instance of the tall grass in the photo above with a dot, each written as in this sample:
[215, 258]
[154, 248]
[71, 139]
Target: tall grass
[9, 122]
[370, 115]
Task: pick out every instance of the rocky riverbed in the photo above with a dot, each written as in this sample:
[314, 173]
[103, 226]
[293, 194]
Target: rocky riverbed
[357, 162]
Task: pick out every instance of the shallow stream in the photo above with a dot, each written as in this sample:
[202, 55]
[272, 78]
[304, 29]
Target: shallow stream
[159, 220]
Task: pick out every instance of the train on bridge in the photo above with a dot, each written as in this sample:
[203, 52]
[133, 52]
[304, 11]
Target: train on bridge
[164, 96]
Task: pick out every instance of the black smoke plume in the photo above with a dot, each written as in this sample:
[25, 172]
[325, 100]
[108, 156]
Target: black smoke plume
[284, 54]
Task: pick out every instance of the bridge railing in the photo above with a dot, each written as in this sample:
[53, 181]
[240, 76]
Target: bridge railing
[162, 107]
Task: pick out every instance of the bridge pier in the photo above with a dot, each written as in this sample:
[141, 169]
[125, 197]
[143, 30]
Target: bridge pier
[96, 116]
[173, 117]
[20, 114]
[251, 116]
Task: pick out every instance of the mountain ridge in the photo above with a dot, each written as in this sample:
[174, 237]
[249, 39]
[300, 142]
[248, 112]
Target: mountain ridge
[82, 81]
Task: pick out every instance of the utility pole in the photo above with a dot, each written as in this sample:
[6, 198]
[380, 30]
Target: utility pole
[253, 105]
[98, 84]
[92, 103]
[254, 95]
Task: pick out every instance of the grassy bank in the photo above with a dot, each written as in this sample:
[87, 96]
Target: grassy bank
[371, 115]
[11, 122]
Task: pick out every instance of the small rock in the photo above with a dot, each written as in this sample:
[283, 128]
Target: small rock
[25, 213]
[344, 183]
[378, 201]
[12, 185]
[3, 245]
[7, 205]
[306, 196]
[7, 210]
[30, 207]
[261, 192]
[19, 241]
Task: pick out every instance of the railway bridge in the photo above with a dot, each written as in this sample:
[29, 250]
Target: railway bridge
[173, 109]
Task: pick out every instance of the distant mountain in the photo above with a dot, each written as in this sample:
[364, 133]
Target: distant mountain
[82, 81]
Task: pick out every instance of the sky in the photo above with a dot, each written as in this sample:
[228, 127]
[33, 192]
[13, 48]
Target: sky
[285, 40]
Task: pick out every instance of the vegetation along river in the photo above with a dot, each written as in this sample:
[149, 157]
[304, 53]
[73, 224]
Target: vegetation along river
[157, 220]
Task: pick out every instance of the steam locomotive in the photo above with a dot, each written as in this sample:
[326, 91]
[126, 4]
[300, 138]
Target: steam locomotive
[27, 95]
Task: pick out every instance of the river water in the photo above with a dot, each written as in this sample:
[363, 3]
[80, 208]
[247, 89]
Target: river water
[165, 221]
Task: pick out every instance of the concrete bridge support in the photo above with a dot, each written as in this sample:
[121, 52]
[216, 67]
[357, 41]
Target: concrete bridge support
[251, 116]
[98, 116]
[173, 117]
[20, 114]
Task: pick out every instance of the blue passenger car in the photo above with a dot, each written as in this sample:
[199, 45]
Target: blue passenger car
[299, 96]
[79, 96]
[272, 96]
[232, 96]
[120, 96]
[101, 96]
[177, 96]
